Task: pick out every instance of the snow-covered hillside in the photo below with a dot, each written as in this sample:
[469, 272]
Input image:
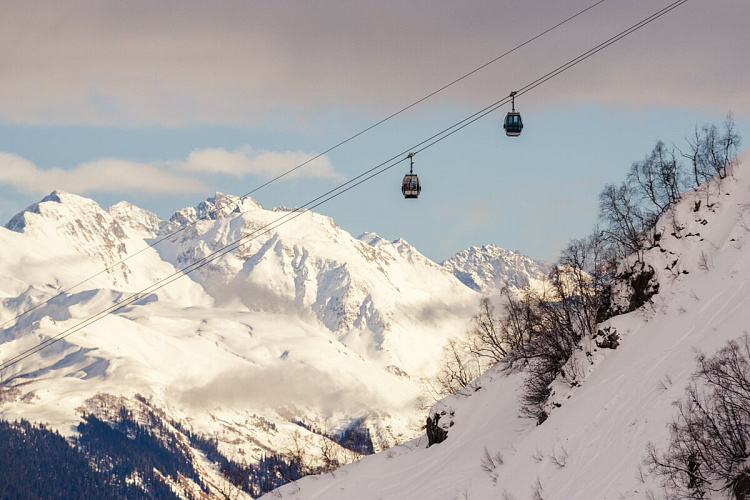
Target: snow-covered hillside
[304, 323]
[593, 444]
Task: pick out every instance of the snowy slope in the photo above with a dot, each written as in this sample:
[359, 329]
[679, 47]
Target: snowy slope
[490, 268]
[592, 446]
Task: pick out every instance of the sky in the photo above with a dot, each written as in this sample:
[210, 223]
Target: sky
[164, 103]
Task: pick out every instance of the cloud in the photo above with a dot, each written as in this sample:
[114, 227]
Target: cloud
[114, 175]
[107, 175]
[285, 384]
[266, 164]
[265, 62]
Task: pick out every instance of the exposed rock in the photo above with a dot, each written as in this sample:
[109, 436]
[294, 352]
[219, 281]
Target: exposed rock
[435, 433]
[741, 487]
[634, 287]
[607, 338]
[439, 421]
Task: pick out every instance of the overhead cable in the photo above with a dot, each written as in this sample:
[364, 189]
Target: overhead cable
[234, 204]
[337, 191]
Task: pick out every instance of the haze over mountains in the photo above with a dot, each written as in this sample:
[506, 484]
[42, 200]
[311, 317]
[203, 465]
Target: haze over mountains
[303, 323]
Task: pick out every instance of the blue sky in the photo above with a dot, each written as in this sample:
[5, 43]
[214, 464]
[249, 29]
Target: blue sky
[162, 106]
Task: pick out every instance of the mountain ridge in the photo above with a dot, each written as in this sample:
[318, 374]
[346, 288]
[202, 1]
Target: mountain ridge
[304, 323]
[490, 268]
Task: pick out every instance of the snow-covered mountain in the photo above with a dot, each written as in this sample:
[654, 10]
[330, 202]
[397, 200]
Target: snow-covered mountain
[301, 323]
[490, 268]
[594, 442]
[367, 293]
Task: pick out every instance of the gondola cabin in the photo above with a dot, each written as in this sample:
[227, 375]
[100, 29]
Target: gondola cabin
[513, 124]
[411, 187]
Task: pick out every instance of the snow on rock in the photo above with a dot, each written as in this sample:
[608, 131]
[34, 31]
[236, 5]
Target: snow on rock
[490, 268]
[594, 441]
[138, 221]
[372, 239]
[218, 206]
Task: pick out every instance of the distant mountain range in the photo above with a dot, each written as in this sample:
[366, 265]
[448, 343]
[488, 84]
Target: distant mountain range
[490, 268]
[302, 327]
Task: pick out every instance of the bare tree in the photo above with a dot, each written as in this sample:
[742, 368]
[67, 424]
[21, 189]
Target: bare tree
[488, 341]
[623, 220]
[298, 455]
[712, 153]
[459, 368]
[629, 212]
[519, 321]
[658, 179]
[696, 154]
[730, 143]
[227, 489]
[329, 455]
[233, 479]
[485, 339]
[558, 318]
[589, 266]
[721, 148]
[556, 335]
[493, 337]
[709, 443]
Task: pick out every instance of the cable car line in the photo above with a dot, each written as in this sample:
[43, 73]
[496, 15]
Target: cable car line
[220, 252]
[299, 211]
[209, 213]
[335, 192]
[560, 69]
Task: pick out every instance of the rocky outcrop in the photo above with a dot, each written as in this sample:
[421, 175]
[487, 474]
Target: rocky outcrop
[437, 431]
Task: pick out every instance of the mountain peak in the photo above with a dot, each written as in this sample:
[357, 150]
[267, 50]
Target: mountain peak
[372, 239]
[55, 196]
[56, 205]
[217, 206]
[489, 268]
[140, 221]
